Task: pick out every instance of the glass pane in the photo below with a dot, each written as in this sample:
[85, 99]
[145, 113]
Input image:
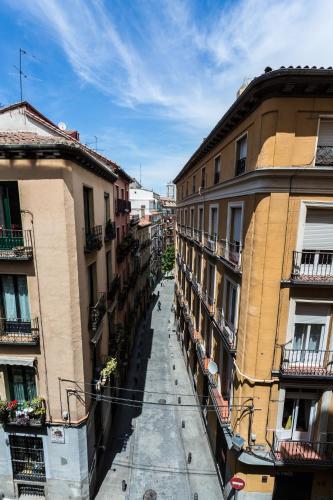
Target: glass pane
[232, 305]
[8, 295]
[287, 417]
[299, 336]
[314, 338]
[303, 417]
[23, 298]
[17, 388]
[30, 383]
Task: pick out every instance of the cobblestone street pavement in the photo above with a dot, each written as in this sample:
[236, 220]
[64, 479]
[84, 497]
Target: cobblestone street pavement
[149, 448]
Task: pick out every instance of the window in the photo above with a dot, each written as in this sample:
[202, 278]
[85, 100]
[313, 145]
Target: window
[234, 234]
[324, 154]
[22, 384]
[310, 332]
[230, 305]
[201, 218]
[14, 299]
[241, 154]
[106, 207]
[122, 194]
[316, 256]
[217, 169]
[10, 215]
[124, 231]
[117, 192]
[211, 281]
[186, 188]
[88, 202]
[27, 458]
[298, 414]
[203, 177]
[92, 288]
[213, 223]
[109, 269]
[118, 235]
[193, 184]
[182, 191]
[192, 218]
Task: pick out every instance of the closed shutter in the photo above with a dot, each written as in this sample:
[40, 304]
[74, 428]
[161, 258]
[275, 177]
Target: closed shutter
[325, 137]
[235, 233]
[311, 313]
[318, 233]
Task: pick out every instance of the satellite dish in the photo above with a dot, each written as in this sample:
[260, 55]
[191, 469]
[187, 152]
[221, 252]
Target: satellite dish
[62, 125]
[212, 367]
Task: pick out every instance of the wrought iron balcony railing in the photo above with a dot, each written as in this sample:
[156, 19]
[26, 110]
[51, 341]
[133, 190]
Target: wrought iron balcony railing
[210, 241]
[15, 244]
[312, 266]
[195, 284]
[198, 235]
[208, 301]
[19, 331]
[109, 231]
[240, 166]
[93, 239]
[231, 252]
[188, 273]
[306, 363]
[221, 405]
[122, 206]
[324, 156]
[189, 231]
[228, 330]
[303, 452]
[96, 312]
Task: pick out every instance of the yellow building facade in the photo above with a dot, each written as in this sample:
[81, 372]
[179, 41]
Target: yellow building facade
[254, 279]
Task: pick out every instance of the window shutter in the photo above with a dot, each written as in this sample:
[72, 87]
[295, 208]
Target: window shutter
[325, 136]
[236, 215]
[311, 313]
[318, 233]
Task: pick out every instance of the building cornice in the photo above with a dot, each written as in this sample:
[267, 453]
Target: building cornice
[284, 82]
[269, 180]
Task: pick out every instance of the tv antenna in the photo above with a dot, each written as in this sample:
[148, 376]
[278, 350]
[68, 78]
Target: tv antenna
[21, 72]
[95, 142]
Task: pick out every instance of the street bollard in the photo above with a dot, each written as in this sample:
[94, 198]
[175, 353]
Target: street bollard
[173, 367]
[189, 458]
[123, 485]
[183, 424]
[176, 382]
[196, 496]
[179, 400]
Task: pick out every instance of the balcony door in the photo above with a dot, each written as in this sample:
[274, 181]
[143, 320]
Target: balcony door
[234, 233]
[298, 416]
[14, 302]
[88, 203]
[317, 254]
[22, 383]
[310, 335]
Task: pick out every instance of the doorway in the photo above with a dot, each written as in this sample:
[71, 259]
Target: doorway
[297, 486]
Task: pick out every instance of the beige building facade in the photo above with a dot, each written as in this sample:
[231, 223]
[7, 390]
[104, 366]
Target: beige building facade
[59, 306]
[254, 281]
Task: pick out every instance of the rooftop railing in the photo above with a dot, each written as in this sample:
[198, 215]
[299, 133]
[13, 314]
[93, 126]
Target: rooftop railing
[231, 252]
[305, 362]
[311, 265]
[303, 452]
[93, 239]
[19, 331]
[15, 244]
[210, 241]
[228, 330]
[96, 312]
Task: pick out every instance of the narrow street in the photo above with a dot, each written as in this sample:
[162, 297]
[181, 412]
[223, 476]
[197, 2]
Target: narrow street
[150, 446]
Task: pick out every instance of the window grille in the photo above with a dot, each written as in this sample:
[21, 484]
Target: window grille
[27, 458]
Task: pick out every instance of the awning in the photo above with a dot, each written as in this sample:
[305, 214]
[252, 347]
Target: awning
[7, 360]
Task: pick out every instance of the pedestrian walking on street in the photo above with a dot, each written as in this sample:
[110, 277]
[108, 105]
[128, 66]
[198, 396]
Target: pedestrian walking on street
[159, 305]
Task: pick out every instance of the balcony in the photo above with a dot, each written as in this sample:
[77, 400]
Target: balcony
[194, 334]
[93, 239]
[306, 363]
[196, 285]
[189, 231]
[240, 166]
[312, 267]
[210, 242]
[209, 302]
[122, 206]
[19, 332]
[221, 405]
[15, 244]
[324, 156]
[109, 231]
[202, 358]
[96, 312]
[227, 330]
[197, 235]
[124, 247]
[231, 253]
[297, 452]
[188, 272]
[28, 413]
[187, 312]
[113, 288]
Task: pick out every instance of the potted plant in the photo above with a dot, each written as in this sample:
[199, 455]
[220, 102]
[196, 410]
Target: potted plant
[3, 411]
[37, 412]
[109, 368]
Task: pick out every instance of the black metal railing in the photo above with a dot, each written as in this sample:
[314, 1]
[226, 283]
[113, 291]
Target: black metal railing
[93, 239]
[324, 156]
[197, 234]
[122, 206]
[96, 312]
[15, 244]
[216, 177]
[189, 231]
[109, 230]
[303, 452]
[27, 457]
[305, 362]
[240, 166]
[230, 251]
[19, 331]
[228, 330]
[313, 265]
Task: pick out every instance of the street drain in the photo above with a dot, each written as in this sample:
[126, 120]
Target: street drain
[161, 402]
[150, 495]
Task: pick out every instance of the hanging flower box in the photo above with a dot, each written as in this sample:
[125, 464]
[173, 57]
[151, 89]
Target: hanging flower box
[32, 413]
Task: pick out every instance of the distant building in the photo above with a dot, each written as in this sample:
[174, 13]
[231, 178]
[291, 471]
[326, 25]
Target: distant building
[171, 191]
[144, 201]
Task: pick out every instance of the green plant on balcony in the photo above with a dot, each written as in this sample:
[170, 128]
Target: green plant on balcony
[109, 368]
[37, 406]
[3, 410]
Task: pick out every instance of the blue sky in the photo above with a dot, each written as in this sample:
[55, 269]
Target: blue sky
[151, 78]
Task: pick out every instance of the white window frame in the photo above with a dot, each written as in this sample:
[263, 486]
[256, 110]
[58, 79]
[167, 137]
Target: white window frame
[213, 205]
[224, 298]
[231, 205]
[239, 138]
[305, 204]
